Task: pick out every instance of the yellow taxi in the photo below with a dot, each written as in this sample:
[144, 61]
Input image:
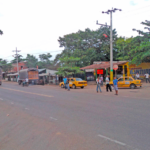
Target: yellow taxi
[75, 82]
[128, 82]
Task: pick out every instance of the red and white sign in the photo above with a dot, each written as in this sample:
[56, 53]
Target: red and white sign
[115, 67]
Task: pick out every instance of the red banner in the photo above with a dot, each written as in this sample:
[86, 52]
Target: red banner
[99, 71]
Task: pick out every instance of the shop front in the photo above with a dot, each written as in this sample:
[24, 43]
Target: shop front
[142, 69]
[103, 69]
[124, 68]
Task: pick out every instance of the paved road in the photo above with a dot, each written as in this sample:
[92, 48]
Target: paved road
[48, 117]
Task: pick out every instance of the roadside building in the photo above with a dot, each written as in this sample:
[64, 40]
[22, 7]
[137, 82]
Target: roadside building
[124, 69]
[21, 65]
[142, 69]
[12, 75]
[48, 76]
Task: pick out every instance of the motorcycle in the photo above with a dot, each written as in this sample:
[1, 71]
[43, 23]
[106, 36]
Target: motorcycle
[25, 84]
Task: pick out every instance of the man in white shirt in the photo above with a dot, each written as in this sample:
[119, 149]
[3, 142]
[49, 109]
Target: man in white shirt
[26, 80]
[147, 77]
[98, 81]
[107, 84]
[137, 76]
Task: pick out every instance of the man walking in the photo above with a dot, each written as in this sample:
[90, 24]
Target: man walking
[107, 84]
[147, 77]
[98, 81]
[65, 80]
[115, 84]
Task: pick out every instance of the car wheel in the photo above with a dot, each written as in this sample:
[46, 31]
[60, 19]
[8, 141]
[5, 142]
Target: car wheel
[132, 86]
[74, 87]
[82, 87]
[62, 86]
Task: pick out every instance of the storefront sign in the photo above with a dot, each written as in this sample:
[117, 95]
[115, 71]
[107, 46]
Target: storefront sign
[89, 70]
[99, 71]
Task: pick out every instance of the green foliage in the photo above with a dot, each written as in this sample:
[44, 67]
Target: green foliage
[67, 71]
[68, 66]
[20, 59]
[45, 57]
[45, 61]
[5, 65]
[141, 53]
[87, 45]
[31, 61]
[123, 48]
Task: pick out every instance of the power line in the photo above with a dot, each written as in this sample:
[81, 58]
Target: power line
[131, 15]
[125, 12]
[34, 53]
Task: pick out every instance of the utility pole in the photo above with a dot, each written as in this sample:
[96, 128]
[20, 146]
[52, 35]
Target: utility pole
[17, 57]
[111, 40]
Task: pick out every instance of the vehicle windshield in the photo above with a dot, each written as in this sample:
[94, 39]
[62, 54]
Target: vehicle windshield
[79, 79]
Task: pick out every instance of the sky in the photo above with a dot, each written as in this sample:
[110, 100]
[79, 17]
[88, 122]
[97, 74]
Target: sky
[34, 26]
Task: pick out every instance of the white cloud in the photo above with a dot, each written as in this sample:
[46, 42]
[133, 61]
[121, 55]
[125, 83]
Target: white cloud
[35, 25]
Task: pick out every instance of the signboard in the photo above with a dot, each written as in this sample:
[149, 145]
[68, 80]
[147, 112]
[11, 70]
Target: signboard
[100, 71]
[89, 70]
[33, 75]
[115, 67]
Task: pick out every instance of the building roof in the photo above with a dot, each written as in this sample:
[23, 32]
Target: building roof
[102, 65]
[40, 70]
[15, 74]
[48, 71]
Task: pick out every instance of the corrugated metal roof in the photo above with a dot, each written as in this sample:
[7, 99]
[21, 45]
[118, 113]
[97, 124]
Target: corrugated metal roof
[102, 65]
[40, 70]
[15, 74]
[28, 69]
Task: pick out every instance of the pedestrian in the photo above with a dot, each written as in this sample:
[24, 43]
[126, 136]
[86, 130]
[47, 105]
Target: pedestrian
[98, 81]
[68, 87]
[137, 76]
[147, 77]
[101, 78]
[65, 80]
[107, 84]
[115, 84]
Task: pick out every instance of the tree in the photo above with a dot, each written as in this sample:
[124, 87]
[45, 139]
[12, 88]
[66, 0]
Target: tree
[31, 61]
[68, 66]
[20, 59]
[123, 48]
[45, 61]
[5, 65]
[140, 52]
[88, 45]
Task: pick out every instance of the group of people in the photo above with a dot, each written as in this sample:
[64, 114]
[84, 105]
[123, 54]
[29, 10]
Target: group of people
[99, 82]
[137, 76]
[66, 83]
